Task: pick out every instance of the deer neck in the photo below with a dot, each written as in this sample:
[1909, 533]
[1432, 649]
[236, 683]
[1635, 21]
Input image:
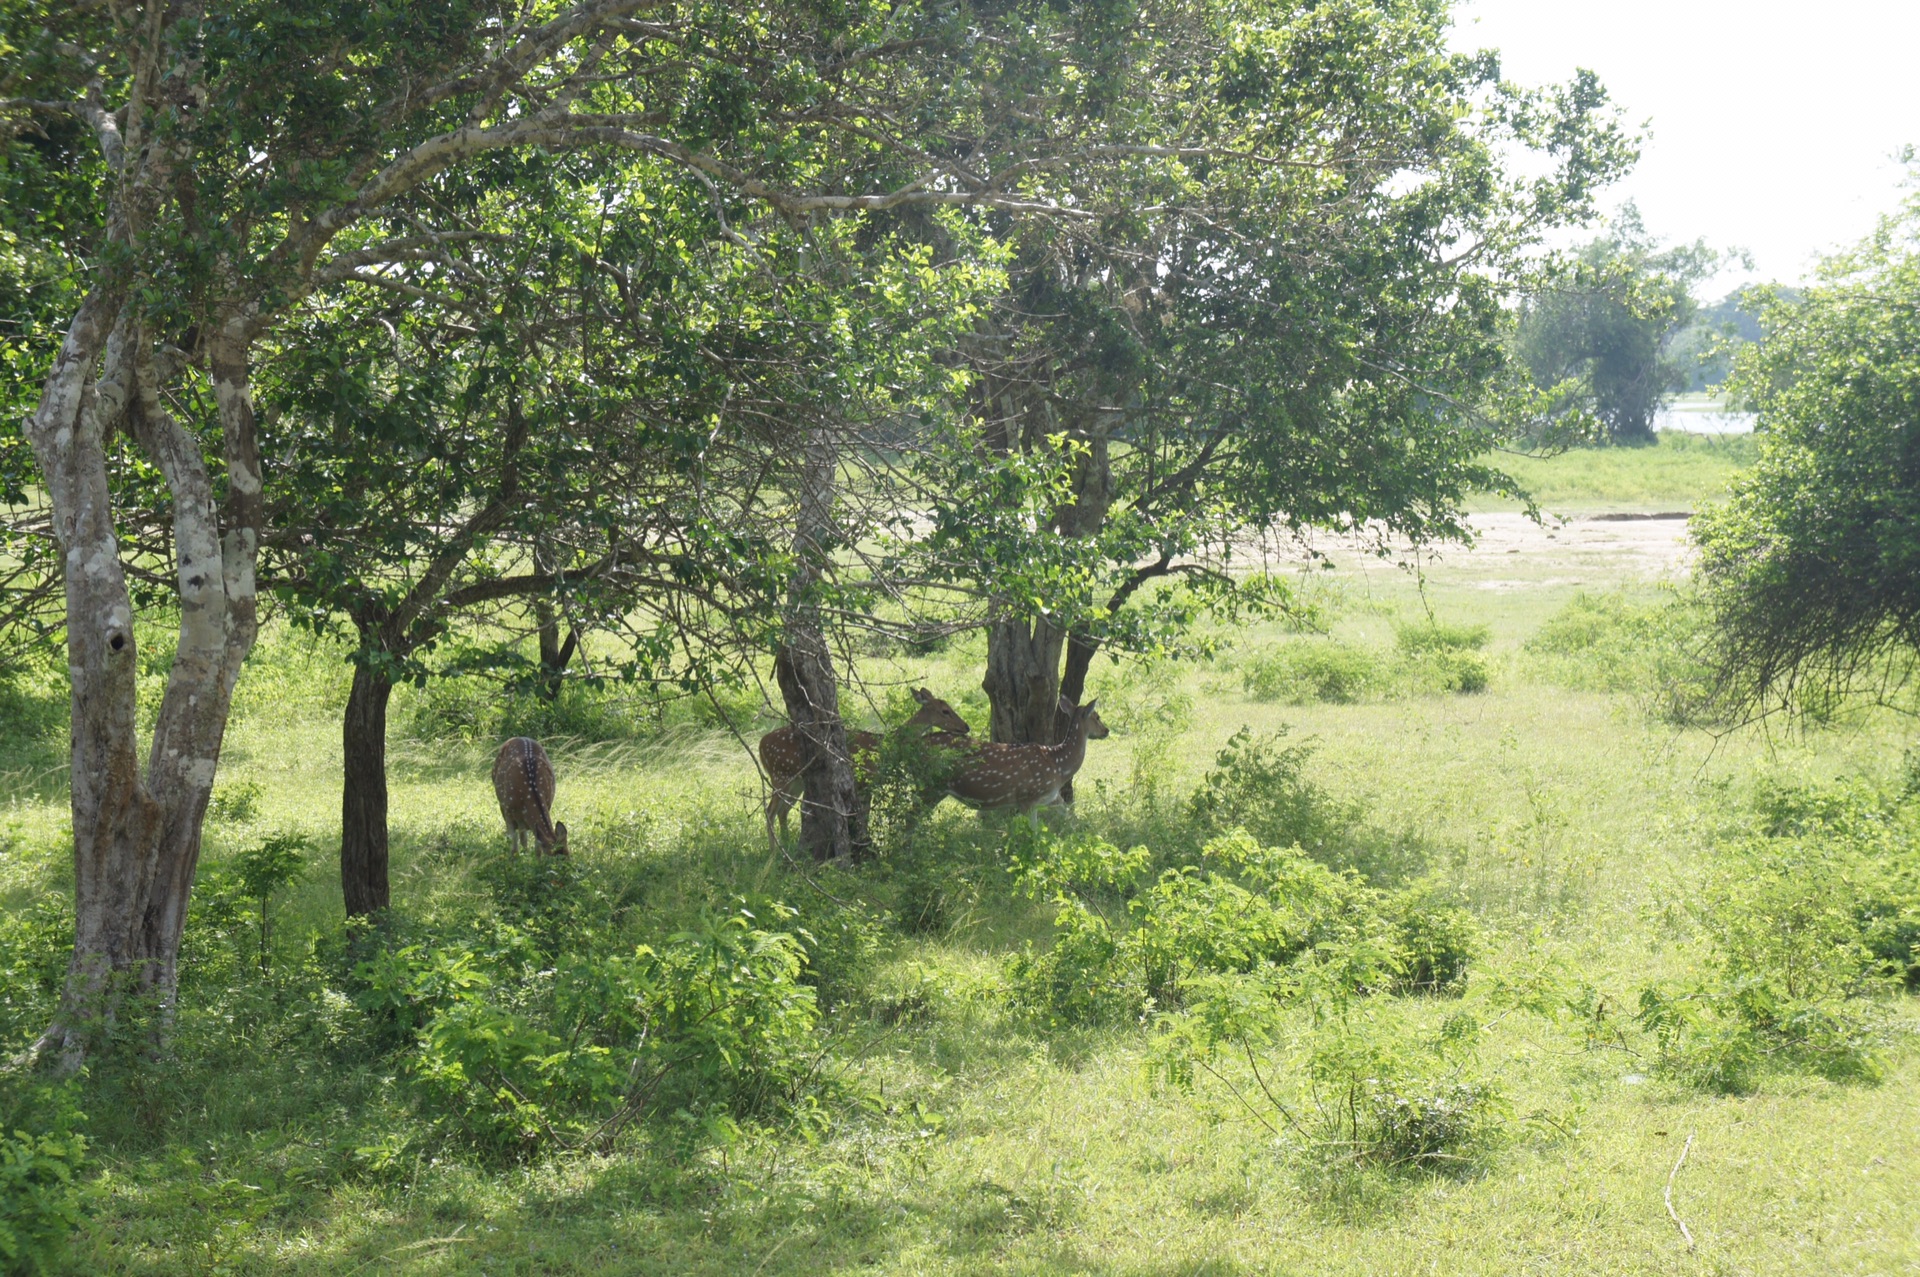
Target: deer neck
[1073, 750]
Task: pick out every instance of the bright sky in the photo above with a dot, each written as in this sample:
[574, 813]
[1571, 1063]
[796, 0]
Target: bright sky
[1773, 125]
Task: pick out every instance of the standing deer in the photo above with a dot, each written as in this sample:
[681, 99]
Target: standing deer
[784, 754]
[998, 777]
[523, 782]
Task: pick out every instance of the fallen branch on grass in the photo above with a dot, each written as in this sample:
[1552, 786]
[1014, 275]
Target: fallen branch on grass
[1677, 1221]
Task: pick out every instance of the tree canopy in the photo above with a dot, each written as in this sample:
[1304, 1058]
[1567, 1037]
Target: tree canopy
[1812, 569]
[1597, 338]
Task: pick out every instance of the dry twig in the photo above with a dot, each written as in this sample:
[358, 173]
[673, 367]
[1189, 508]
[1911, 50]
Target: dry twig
[1677, 1221]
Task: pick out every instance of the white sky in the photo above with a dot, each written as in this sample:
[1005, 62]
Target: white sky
[1772, 126]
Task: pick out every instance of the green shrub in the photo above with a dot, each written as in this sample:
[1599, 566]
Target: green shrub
[1447, 670]
[1309, 670]
[236, 801]
[714, 1024]
[1346, 1082]
[1610, 643]
[1421, 640]
[36, 941]
[1438, 941]
[1808, 926]
[1259, 783]
[42, 1157]
[1242, 908]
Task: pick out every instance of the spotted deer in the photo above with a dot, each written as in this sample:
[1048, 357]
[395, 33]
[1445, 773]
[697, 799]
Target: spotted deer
[784, 754]
[998, 777]
[523, 782]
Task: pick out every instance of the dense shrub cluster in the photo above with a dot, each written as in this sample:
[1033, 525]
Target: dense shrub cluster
[1428, 659]
[42, 1157]
[1615, 643]
[1808, 923]
[712, 1022]
[1252, 956]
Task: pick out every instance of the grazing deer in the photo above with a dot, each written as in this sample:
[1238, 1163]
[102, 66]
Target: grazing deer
[784, 754]
[523, 782]
[999, 777]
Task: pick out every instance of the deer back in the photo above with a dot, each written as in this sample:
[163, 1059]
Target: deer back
[523, 782]
[783, 751]
[1022, 776]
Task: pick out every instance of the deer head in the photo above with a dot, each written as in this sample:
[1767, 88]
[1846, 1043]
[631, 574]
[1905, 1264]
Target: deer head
[936, 714]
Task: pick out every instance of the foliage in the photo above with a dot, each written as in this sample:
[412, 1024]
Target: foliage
[36, 940]
[1304, 671]
[1705, 349]
[1346, 1082]
[42, 1158]
[1618, 643]
[1809, 923]
[713, 1024]
[1125, 944]
[1810, 569]
[1597, 342]
[1259, 783]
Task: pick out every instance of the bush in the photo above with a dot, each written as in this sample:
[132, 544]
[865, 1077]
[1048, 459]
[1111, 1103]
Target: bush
[1242, 908]
[1259, 783]
[1310, 670]
[42, 1155]
[1346, 1082]
[1808, 926]
[36, 942]
[713, 1024]
[1610, 643]
[1438, 941]
[1424, 640]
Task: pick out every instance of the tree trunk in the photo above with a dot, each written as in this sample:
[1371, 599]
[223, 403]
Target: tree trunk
[363, 795]
[833, 823]
[136, 838]
[1023, 681]
[555, 655]
[833, 819]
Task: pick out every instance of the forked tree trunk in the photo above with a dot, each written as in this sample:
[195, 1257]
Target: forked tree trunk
[136, 837]
[555, 655]
[1023, 680]
[363, 793]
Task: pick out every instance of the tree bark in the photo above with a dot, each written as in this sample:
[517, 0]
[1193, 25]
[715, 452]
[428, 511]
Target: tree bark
[137, 836]
[833, 823]
[1023, 680]
[555, 655]
[363, 793]
[833, 818]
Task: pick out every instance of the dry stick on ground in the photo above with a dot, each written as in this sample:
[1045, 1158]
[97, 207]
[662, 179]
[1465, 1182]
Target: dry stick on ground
[1677, 1221]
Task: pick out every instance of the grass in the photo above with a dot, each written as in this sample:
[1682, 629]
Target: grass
[1678, 473]
[1576, 826]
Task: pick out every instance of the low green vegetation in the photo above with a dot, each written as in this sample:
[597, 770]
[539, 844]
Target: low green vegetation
[1678, 473]
[1338, 958]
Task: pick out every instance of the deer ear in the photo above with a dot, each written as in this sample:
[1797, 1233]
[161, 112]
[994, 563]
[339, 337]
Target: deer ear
[922, 695]
[1088, 707]
[1066, 706]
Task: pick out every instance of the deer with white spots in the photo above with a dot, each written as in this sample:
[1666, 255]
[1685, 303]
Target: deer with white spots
[523, 782]
[999, 777]
[783, 753]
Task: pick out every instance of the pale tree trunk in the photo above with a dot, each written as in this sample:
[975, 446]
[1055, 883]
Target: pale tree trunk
[137, 837]
[833, 824]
